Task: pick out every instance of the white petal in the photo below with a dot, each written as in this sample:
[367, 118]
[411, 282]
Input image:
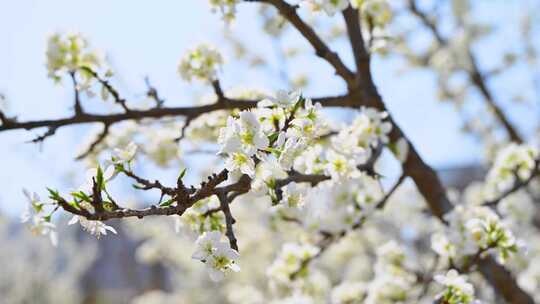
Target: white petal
[215, 275]
[111, 229]
[54, 238]
[73, 220]
[234, 267]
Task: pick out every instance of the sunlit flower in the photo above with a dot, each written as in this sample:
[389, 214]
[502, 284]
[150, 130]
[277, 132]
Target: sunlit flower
[201, 63]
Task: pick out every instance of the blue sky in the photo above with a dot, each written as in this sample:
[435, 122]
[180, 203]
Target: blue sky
[147, 38]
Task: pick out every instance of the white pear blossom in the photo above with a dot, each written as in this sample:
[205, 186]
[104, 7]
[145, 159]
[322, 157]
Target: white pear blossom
[312, 160]
[227, 8]
[125, 155]
[335, 206]
[34, 206]
[69, 52]
[511, 163]
[296, 298]
[348, 293]
[393, 281]
[379, 12]
[218, 256]
[442, 246]
[239, 162]
[197, 220]
[367, 131]
[243, 135]
[472, 230]
[292, 148]
[40, 224]
[388, 289]
[330, 7]
[458, 290]
[206, 245]
[283, 99]
[339, 166]
[293, 195]
[290, 261]
[162, 148]
[272, 119]
[517, 209]
[96, 228]
[200, 63]
[308, 122]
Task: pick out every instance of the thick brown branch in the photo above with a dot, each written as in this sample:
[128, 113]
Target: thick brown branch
[156, 113]
[361, 55]
[431, 188]
[321, 49]
[502, 281]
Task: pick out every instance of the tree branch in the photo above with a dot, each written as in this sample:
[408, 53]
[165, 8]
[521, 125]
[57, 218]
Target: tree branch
[361, 55]
[100, 138]
[229, 220]
[156, 113]
[321, 49]
[478, 79]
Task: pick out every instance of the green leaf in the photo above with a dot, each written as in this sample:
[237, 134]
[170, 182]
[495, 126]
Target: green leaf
[54, 195]
[118, 167]
[167, 203]
[99, 178]
[139, 187]
[81, 196]
[75, 203]
[273, 137]
[182, 174]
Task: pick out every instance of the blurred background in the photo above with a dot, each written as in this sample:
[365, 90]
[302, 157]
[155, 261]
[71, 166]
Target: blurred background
[146, 39]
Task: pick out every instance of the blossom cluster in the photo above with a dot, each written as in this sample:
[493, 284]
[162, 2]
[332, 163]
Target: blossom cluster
[218, 256]
[71, 53]
[68, 53]
[514, 163]
[291, 262]
[393, 281]
[377, 12]
[201, 63]
[278, 130]
[200, 217]
[81, 199]
[341, 205]
[351, 147]
[39, 220]
[227, 8]
[457, 289]
[474, 230]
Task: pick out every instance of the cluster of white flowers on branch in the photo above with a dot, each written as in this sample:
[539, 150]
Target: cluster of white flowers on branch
[217, 255]
[457, 289]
